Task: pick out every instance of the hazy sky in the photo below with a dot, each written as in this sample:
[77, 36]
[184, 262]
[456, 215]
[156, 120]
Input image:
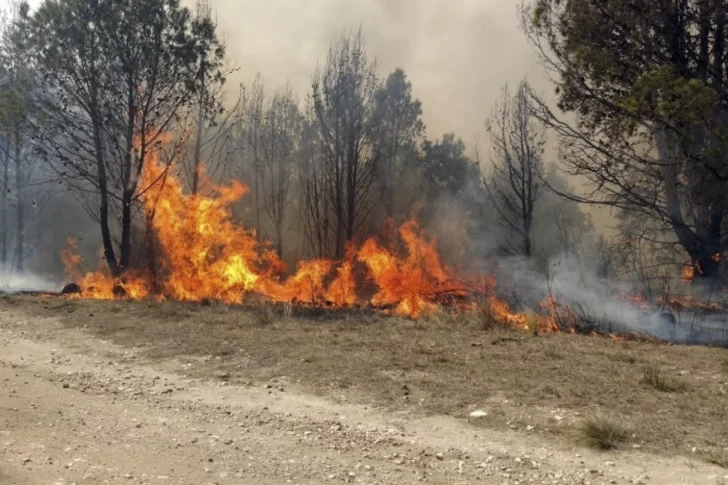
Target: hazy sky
[457, 53]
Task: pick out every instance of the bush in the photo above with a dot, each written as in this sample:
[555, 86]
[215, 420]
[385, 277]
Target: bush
[653, 376]
[602, 434]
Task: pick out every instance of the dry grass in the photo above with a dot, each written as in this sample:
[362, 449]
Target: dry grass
[716, 456]
[602, 433]
[653, 376]
[447, 364]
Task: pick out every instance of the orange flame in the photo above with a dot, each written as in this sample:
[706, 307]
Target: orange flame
[205, 255]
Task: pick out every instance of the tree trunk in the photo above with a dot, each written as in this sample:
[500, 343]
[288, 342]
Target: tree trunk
[198, 139]
[707, 274]
[151, 252]
[126, 230]
[4, 208]
[279, 238]
[20, 207]
[104, 201]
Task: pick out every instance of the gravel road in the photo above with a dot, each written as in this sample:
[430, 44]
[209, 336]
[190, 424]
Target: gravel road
[75, 409]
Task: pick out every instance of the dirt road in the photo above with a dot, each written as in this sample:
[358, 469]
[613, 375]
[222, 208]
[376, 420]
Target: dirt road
[76, 409]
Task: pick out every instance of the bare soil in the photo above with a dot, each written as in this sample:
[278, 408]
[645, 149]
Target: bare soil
[143, 392]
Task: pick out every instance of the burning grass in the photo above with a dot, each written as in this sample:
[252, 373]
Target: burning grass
[443, 364]
[196, 253]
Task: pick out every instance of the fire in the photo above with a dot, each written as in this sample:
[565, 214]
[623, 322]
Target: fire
[687, 274]
[411, 283]
[204, 255]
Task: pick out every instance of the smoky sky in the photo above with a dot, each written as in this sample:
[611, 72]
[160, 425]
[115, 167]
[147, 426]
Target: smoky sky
[457, 53]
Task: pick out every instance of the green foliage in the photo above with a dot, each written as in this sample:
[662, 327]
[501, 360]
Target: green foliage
[446, 167]
[649, 85]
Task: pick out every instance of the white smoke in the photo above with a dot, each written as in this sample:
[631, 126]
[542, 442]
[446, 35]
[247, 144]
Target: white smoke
[605, 305]
[13, 281]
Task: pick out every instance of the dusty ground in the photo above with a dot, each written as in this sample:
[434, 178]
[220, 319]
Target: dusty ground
[94, 392]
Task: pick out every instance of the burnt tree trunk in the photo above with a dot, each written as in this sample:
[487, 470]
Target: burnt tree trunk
[108, 244]
[20, 206]
[4, 208]
[198, 139]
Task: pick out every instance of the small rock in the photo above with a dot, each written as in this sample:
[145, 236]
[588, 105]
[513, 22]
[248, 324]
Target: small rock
[478, 414]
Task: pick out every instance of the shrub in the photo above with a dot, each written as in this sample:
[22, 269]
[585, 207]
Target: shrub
[601, 433]
[653, 376]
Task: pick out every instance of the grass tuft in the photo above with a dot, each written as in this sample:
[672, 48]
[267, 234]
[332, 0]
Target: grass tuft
[717, 457]
[266, 316]
[654, 377]
[602, 434]
[532, 322]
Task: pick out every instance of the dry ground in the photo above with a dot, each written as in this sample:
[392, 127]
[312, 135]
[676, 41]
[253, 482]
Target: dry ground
[410, 385]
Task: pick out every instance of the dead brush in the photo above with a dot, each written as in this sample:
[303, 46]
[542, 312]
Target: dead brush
[602, 433]
[169, 310]
[655, 378]
[533, 323]
[287, 311]
[439, 317]
[265, 315]
[485, 316]
[717, 457]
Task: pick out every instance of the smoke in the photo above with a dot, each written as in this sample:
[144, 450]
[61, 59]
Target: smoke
[13, 281]
[458, 54]
[604, 305]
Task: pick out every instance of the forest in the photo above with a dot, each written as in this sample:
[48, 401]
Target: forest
[106, 106]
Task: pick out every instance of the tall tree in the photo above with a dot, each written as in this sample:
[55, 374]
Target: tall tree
[280, 136]
[18, 88]
[344, 100]
[448, 194]
[446, 168]
[648, 83]
[513, 184]
[315, 204]
[400, 133]
[211, 118]
[120, 73]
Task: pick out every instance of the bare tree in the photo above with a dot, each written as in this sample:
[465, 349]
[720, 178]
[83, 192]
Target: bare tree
[514, 184]
[18, 89]
[343, 94]
[279, 137]
[5, 160]
[212, 125]
[315, 206]
[252, 127]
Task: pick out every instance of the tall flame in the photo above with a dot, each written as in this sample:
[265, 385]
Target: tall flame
[205, 255]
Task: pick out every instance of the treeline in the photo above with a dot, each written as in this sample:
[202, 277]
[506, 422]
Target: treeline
[89, 88]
